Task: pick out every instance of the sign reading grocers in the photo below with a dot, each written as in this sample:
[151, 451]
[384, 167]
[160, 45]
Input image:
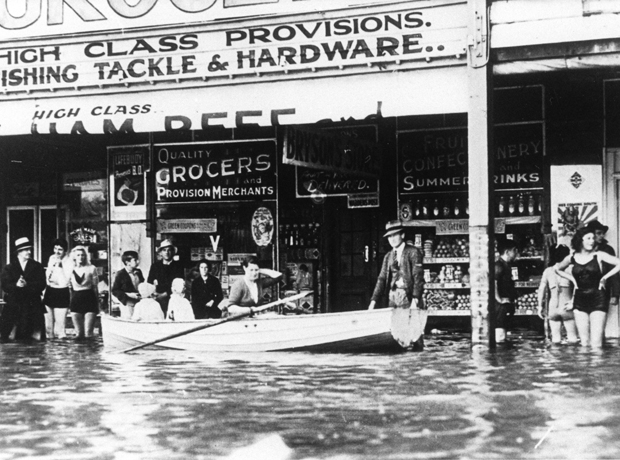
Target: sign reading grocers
[227, 171]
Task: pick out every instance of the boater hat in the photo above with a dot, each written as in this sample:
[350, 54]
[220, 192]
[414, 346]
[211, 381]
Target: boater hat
[393, 227]
[22, 243]
[596, 225]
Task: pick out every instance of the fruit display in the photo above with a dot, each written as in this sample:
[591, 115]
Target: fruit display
[439, 300]
[463, 302]
[527, 301]
[531, 249]
[451, 247]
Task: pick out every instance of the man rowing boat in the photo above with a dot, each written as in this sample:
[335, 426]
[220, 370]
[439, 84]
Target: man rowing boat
[402, 274]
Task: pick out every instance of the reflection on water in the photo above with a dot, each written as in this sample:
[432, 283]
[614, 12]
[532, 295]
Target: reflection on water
[66, 400]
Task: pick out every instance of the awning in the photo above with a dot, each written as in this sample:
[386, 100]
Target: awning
[431, 91]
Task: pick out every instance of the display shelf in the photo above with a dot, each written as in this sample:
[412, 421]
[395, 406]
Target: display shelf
[468, 313]
[447, 286]
[446, 260]
[530, 258]
[527, 284]
[514, 220]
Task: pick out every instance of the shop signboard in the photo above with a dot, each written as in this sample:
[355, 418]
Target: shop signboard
[193, 54]
[363, 200]
[436, 160]
[461, 226]
[215, 172]
[186, 225]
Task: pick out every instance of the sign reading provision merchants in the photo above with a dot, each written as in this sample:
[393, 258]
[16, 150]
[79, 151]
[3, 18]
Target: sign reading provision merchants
[215, 172]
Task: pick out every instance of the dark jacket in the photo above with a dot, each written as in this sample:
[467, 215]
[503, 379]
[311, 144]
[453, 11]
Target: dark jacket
[202, 293]
[614, 282]
[412, 274]
[24, 307]
[165, 274]
[124, 284]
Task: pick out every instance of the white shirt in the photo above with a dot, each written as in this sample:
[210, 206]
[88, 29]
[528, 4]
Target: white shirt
[253, 287]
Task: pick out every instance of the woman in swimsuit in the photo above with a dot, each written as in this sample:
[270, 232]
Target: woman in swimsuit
[590, 298]
[84, 301]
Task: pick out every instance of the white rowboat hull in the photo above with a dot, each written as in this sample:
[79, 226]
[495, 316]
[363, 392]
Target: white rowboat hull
[357, 331]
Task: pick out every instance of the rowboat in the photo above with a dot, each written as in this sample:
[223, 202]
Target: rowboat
[356, 331]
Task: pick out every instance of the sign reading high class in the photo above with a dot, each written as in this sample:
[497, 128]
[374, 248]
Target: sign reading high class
[215, 172]
[436, 160]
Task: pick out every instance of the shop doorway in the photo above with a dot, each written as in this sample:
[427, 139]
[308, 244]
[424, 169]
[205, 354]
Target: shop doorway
[41, 224]
[353, 254]
[611, 216]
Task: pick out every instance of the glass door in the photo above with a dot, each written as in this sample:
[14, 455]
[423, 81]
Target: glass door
[40, 224]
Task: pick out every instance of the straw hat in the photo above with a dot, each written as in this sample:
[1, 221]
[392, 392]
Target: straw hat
[166, 244]
[22, 243]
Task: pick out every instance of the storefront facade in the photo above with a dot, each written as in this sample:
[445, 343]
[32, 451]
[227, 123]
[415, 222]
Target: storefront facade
[293, 130]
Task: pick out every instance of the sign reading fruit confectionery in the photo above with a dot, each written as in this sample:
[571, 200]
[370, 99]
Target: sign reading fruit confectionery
[436, 160]
[215, 172]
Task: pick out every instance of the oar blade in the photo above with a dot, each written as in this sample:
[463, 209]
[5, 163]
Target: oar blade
[408, 327]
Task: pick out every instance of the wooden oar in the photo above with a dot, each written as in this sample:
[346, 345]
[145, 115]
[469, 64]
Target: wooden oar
[301, 295]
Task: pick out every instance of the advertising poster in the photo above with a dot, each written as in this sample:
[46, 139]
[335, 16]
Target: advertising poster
[128, 182]
[576, 196]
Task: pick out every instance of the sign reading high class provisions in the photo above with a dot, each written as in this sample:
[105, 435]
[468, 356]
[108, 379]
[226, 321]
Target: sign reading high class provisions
[192, 55]
[215, 172]
[436, 160]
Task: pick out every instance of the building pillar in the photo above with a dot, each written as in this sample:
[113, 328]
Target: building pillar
[480, 159]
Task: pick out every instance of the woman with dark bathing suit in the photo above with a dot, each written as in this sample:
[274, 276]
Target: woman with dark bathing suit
[590, 298]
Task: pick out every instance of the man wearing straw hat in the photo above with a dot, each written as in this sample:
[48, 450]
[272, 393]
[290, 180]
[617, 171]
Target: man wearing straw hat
[403, 276]
[163, 271]
[24, 282]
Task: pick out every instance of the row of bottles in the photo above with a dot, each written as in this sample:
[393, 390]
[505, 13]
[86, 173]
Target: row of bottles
[300, 235]
[446, 208]
[519, 205]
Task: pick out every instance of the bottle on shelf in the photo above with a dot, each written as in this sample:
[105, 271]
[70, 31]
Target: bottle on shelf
[467, 208]
[445, 210]
[435, 208]
[540, 204]
[293, 239]
[501, 207]
[521, 205]
[416, 210]
[457, 208]
[531, 205]
[425, 210]
[302, 235]
[511, 206]
[317, 234]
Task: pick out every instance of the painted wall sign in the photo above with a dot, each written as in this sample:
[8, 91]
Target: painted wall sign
[215, 172]
[235, 259]
[436, 160]
[187, 225]
[401, 35]
[43, 18]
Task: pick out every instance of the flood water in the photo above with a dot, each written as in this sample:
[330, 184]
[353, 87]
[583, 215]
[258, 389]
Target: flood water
[68, 400]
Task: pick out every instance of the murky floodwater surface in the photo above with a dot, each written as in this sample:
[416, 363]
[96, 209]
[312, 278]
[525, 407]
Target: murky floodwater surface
[68, 400]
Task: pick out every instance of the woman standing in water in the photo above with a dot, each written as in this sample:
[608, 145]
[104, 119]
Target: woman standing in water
[84, 301]
[57, 295]
[590, 299]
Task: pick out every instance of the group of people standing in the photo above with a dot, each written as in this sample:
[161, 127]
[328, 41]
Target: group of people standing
[70, 283]
[575, 292]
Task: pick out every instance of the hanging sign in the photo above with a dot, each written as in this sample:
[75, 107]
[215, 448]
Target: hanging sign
[363, 200]
[215, 172]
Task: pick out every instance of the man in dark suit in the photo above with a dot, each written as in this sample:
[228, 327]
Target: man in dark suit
[24, 282]
[402, 276]
[125, 287]
[206, 293]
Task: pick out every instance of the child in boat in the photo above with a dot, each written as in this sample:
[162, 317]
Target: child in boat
[147, 309]
[179, 308]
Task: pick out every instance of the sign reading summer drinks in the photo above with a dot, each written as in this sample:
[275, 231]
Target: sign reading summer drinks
[215, 172]
[436, 160]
